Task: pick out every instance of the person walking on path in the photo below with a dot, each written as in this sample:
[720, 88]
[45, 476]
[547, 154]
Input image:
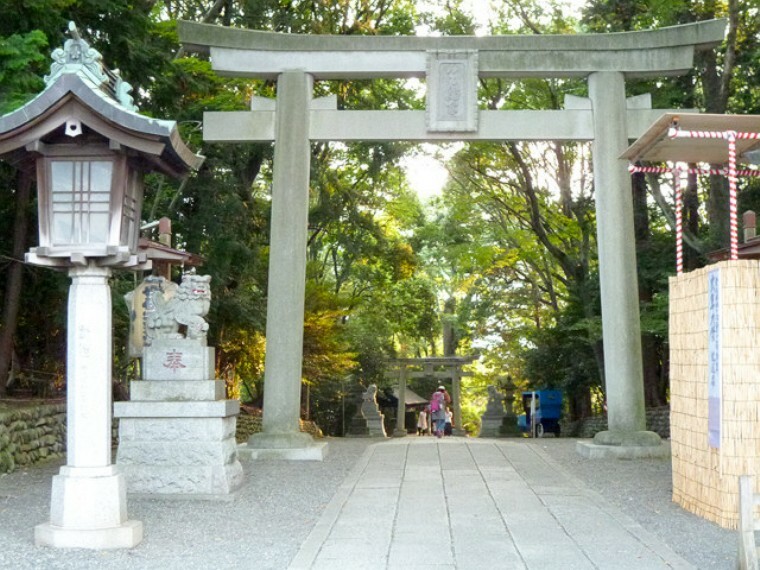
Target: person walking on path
[422, 422]
[448, 422]
[438, 402]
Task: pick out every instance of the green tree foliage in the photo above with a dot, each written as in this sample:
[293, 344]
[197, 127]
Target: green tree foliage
[20, 65]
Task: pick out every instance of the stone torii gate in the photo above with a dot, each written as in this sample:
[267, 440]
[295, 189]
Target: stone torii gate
[451, 66]
[440, 367]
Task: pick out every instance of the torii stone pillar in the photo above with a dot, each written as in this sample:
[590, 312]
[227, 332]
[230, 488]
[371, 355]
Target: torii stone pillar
[456, 400]
[617, 273]
[400, 430]
[281, 436]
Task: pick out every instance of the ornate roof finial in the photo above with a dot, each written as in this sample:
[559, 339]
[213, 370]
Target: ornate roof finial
[78, 57]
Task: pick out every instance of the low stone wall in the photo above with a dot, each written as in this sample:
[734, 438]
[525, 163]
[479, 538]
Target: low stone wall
[31, 434]
[658, 421]
[250, 423]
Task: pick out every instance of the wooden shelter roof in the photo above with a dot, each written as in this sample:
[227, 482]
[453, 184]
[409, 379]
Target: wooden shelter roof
[656, 146]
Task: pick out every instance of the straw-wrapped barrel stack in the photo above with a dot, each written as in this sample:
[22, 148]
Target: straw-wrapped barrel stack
[705, 479]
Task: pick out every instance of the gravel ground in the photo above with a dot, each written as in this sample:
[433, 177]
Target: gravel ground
[273, 514]
[262, 528]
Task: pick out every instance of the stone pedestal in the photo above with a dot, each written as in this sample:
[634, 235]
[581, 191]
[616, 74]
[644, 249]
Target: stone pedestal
[495, 422]
[177, 434]
[490, 425]
[490, 421]
[368, 421]
[358, 426]
[88, 509]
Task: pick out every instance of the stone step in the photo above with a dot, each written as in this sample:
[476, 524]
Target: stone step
[177, 454]
[177, 390]
[177, 409]
[204, 481]
[176, 429]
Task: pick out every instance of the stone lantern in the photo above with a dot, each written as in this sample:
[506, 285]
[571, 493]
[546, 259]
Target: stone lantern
[90, 150]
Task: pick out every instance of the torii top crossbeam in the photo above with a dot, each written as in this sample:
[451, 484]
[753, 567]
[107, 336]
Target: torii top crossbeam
[670, 52]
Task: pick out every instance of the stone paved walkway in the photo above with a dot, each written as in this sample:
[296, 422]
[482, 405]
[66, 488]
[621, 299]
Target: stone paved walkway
[473, 504]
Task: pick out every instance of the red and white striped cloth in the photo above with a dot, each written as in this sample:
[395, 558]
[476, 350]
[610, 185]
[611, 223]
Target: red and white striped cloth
[749, 172]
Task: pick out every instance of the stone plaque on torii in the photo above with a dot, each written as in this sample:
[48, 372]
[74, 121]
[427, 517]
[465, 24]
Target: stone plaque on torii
[449, 63]
[439, 367]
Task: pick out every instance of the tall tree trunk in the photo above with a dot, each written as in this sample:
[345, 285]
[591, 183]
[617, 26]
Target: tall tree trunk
[691, 214]
[717, 210]
[649, 343]
[653, 389]
[450, 340]
[716, 78]
[14, 278]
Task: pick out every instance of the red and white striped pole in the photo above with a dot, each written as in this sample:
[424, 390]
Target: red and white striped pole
[677, 185]
[732, 202]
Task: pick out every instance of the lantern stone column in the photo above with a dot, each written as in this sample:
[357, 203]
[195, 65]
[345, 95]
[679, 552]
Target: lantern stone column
[617, 271]
[88, 507]
[287, 276]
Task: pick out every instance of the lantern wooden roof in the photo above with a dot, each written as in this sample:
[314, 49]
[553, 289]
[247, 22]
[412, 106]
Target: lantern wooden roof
[83, 97]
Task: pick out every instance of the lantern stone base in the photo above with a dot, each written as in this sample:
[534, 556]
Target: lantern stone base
[88, 509]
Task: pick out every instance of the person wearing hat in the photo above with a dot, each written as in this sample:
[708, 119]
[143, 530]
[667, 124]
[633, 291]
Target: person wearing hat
[438, 402]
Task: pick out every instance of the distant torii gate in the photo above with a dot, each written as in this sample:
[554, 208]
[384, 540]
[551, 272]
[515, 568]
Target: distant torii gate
[440, 367]
[452, 66]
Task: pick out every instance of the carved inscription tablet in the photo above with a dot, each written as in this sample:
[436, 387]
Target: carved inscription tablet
[452, 83]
